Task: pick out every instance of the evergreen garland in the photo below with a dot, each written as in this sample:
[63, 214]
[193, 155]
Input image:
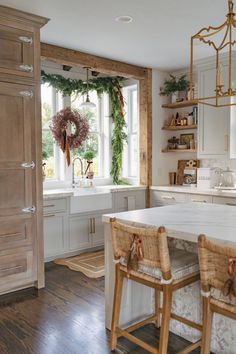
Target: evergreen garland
[111, 86]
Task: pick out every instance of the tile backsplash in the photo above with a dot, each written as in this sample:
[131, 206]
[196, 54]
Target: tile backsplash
[224, 163]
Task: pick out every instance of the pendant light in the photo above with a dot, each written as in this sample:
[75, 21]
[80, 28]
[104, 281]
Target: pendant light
[209, 36]
[87, 103]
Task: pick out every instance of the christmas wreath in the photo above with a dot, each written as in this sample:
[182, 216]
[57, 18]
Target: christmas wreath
[69, 130]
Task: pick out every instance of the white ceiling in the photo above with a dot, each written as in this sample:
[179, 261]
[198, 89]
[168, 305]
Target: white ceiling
[158, 37]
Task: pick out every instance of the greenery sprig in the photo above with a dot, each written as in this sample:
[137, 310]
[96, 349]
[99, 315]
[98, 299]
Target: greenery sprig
[111, 86]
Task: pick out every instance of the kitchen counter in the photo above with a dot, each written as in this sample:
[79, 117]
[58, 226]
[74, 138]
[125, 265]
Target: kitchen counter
[183, 224]
[195, 190]
[67, 192]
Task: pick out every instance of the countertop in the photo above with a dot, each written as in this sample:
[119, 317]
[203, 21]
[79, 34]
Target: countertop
[186, 222]
[195, 190]
[67, 192]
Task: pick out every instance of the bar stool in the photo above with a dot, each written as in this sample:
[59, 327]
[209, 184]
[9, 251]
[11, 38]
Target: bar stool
[159, 269]
[217, 265]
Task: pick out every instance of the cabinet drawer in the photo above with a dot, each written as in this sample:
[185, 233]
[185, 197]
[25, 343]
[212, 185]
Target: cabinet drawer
[224, 200]
[17, 233]
[54, 206]
[129, 200]
[16, 269]
[167, 198]
[17, 52]
[198, 198]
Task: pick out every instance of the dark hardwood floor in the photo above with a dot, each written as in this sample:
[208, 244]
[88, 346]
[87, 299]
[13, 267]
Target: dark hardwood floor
[67, 317]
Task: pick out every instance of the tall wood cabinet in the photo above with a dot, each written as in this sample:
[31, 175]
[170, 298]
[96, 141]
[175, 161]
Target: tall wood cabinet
[21, 236]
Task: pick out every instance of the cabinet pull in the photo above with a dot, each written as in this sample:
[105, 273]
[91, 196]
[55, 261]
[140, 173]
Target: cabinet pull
[168, 198]
[49, 216]
[226, 142]
[198, 201]
[231, 204]
[94, 228]
[49, 206]
[90, 226]
[28, 165]
[26, 93]
[26, 68]
[25, 39]
[29, 210]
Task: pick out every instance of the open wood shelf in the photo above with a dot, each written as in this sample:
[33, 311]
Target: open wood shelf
[179, 150]
[180, 104]
[180, 127]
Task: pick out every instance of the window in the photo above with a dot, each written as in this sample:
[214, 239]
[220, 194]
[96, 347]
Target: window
[131, 160]
[98, 140]
[51, 103]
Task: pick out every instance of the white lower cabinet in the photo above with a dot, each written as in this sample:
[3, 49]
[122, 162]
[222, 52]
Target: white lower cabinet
[54, 235]
[79, 235]
[85, 232]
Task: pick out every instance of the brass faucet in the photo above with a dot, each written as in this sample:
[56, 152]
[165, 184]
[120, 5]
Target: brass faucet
[73, 170]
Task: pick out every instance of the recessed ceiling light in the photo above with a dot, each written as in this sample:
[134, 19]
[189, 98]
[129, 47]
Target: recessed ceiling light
[124, 19]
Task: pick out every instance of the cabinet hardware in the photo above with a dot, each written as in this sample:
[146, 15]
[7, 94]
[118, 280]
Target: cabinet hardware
[49, 216]
[226, 142]
[198, 201]
[231, 204]
[29, 210]
[26, 68]
[26, 39]
[49, 206]
[26, 93]
[168, 198]
[94, 226]
[28, 165]
[90, 226]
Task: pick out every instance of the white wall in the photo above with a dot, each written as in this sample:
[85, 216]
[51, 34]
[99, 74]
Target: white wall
[162, 163]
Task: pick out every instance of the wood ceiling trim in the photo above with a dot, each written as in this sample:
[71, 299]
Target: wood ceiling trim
[75, 58]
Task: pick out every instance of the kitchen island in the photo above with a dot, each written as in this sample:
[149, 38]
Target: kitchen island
[183, 223]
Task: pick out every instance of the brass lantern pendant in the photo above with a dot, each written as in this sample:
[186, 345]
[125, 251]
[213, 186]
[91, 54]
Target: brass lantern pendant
[209, 36]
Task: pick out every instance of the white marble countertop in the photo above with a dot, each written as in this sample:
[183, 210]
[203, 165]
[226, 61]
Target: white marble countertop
[186, 222]
[195, 190]
[67, 192]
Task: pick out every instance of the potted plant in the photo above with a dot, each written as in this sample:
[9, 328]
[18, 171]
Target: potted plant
[176, 88]
[89, 155]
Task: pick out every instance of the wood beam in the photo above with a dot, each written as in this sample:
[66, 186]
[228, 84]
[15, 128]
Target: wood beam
[71, 57]
[145, 126]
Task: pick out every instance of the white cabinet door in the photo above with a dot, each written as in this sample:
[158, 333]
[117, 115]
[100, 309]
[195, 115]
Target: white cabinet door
[54, 237]
[79, 233]
[130, 200]
[213, 123]
[97, 231]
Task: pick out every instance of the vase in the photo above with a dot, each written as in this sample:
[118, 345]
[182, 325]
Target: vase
[174, 97]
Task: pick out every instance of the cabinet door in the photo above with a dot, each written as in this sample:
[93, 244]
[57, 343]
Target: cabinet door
[54, 237]
[17, 51]
[16, 149]
[17, 174]
[79, 233]
[97, 229]
[213, 134]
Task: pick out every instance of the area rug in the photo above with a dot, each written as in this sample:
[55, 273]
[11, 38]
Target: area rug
[91, 264]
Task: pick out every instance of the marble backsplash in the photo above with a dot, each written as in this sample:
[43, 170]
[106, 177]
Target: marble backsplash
[224, 163]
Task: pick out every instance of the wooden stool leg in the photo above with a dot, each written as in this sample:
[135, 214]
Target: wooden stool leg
[116, 307]
[157, 307]
[207, 325]
[165, 322]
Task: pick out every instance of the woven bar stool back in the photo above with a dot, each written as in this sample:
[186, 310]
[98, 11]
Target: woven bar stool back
[217, 286]
[153, 241]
